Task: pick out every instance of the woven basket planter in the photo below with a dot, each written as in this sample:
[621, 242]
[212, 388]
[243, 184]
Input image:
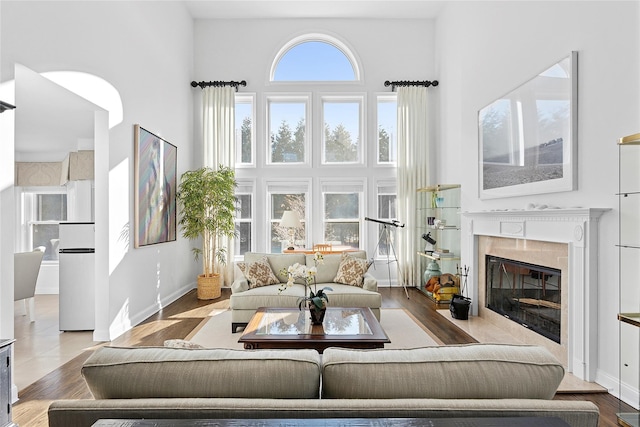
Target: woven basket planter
[208, 286]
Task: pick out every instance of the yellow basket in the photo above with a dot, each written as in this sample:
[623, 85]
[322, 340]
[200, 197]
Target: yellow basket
[209, 286]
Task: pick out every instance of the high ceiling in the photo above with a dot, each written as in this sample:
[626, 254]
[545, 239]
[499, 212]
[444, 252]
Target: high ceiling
[249, 9]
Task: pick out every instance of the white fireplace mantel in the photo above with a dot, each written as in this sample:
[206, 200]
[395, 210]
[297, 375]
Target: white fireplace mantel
[578, 228]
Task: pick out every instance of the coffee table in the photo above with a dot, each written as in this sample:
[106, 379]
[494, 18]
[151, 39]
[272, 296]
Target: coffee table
[354, 327]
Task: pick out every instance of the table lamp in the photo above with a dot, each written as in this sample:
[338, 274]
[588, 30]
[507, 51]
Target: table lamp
[291, 220]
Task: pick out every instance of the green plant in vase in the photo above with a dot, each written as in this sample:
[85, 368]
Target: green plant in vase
[207, 201]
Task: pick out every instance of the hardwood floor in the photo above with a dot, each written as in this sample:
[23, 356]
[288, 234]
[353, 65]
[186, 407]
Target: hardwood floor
[180, 318]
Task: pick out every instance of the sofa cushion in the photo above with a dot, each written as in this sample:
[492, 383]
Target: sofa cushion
[266, 296]
[278, 262]
[351, 270]
[259, 273]
[473, 371]
[158, 372]
[328, 268]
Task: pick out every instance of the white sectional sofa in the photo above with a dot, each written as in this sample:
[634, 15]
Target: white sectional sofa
[246, 299]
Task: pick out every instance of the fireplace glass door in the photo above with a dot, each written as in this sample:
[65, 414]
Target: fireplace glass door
[525, 293]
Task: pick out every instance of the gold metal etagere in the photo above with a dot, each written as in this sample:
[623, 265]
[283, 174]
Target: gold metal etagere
[629, 289]
[438, 214]
[630, 139]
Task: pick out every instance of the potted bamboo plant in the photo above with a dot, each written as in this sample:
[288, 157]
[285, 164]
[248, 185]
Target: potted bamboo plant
[207, 201]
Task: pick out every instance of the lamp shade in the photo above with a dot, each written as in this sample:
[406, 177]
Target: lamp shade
[290, 219]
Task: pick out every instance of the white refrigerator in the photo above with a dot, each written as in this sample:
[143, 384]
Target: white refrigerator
[77, 282]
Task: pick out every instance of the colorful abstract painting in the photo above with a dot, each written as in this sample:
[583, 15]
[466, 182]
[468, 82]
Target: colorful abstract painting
[155, 188]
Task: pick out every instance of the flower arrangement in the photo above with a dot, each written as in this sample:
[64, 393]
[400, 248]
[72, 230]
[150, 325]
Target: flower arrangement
[316, 297]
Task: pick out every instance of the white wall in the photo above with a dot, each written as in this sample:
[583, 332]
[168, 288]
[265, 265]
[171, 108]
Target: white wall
[145, 50]
[486, 49]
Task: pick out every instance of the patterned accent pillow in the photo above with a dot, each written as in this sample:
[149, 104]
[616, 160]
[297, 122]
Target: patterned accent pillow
[351, 270]
[182, 344]
[259, 273]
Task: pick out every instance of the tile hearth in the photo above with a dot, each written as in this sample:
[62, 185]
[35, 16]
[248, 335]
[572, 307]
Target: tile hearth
[484, 331]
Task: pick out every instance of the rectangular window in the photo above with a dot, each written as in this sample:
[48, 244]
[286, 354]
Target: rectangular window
[287, 197]
[245, 129]
[387, 124]
[341, 137]
[287, 130]
[244, 218]
[342, 206]
[386, 212]
[43, 211]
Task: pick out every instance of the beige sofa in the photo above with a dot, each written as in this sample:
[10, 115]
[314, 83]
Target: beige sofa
[475, 380]
[245, 300]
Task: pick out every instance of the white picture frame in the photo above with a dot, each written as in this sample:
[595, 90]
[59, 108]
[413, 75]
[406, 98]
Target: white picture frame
[528, 137]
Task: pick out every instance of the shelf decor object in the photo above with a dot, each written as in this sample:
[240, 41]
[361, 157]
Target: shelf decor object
[438, 217]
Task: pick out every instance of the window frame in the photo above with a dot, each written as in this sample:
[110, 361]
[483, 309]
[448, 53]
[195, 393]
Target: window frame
[247, 98]
[322, 38]
[246, 187]
[326, 186]
[302, 97]
[28, 215]
[282, 186]
[359, 98]
[380, 191]
[385, 97]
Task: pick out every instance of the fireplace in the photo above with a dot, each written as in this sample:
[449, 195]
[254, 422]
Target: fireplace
[560, 239]
[527, 294]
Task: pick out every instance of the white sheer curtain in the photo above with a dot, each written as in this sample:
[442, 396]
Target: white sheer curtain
[413, 161]
[218, 131]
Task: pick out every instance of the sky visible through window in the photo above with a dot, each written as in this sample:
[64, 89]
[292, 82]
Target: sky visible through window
[344, 113]
[314, 61]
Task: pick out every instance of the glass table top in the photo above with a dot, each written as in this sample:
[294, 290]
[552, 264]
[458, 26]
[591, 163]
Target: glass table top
[337, 321]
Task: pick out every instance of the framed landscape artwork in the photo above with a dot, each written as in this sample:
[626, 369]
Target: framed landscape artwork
[155, 188]
[528, 136]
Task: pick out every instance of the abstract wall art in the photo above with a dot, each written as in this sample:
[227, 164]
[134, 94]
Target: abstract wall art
[155, 188]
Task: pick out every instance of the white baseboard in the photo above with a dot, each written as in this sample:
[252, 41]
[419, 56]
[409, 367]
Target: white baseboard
[118, 328]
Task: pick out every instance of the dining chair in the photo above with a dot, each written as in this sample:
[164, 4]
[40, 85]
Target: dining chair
[26, 267]
[322, 247]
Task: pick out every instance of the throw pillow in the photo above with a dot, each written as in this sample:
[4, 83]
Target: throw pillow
[259, 273]
[182, 344]
[351, 270]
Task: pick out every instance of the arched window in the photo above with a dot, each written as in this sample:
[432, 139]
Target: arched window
[315, 57]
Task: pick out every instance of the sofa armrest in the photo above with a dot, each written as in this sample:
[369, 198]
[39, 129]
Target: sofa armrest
[370, 283]
[240, 285]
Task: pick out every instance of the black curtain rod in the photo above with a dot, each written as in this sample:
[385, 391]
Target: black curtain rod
[219, 83]
[425, 83]
[4, 106]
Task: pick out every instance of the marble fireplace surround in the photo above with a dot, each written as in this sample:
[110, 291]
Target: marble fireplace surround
[566, 239]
